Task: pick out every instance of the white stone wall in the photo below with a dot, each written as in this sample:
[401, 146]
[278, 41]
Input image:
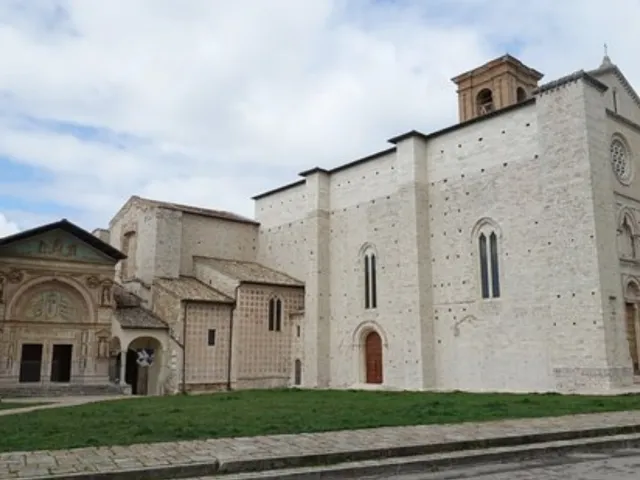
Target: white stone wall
[282, 238]
[489, 170]
[213, 237]
[168, 243]
[536, 172]
[140, 218]
[624, 104]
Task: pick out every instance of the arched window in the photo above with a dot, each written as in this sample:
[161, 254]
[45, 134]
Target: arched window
[370, 280]
[297, 373]
[521, 95]
[626, 240]
[129, 247]
[275, 314]
[484, 101]
[486, 235]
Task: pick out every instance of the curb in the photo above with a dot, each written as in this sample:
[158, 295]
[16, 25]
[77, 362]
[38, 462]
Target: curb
[274, 463]
[552, 453]
[316, 460]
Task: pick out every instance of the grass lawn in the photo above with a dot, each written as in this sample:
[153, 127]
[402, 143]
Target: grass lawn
[263, 412]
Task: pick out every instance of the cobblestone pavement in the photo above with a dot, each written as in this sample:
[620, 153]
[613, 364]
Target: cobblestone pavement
[620, 465]
[110, 459]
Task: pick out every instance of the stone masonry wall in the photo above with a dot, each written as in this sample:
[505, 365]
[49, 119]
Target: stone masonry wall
[262, 358]
[537, 176]
[207, 365]
[488, 174]
[142, 220]
[624, 104]
[212, 237]
[282, 239]
[168, 307]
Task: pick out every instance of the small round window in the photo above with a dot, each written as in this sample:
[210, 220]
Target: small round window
[620, 161]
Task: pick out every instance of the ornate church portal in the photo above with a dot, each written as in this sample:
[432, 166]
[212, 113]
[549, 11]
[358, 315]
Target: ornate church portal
[56, 310]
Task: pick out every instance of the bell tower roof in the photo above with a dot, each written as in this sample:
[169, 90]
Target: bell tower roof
[499, 83]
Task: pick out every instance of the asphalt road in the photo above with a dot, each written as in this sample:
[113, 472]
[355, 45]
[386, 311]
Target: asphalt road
[618, 465]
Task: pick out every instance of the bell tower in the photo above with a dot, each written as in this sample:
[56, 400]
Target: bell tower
[499, 83]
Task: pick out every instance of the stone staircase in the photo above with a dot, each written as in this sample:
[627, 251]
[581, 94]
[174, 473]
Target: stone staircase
[27, 391]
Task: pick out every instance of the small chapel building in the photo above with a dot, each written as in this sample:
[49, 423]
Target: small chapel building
[497, 254]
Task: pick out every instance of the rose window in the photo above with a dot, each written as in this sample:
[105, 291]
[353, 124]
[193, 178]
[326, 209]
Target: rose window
[620, 161]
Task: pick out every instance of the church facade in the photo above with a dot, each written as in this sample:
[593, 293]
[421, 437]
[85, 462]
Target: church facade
[498, 254]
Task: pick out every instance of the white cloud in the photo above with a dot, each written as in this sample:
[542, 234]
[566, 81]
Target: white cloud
[212, 102]
[7, 227]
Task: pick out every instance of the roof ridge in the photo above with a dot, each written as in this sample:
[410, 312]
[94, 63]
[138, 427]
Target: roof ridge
[195, 209]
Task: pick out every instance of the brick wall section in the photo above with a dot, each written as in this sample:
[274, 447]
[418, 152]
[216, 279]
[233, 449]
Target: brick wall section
[262, 358]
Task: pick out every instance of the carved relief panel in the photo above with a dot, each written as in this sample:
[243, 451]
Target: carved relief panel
[58, 245]
[52, 302]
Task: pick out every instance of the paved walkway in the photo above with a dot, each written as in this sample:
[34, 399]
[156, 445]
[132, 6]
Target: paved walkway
[231, 453]
[52, 402]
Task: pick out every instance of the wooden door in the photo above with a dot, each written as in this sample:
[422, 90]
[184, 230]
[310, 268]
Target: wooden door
[632, 338]
[373, 358]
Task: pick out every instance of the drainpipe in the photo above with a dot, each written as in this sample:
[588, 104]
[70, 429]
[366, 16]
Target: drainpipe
[231, 313]
[184, 346]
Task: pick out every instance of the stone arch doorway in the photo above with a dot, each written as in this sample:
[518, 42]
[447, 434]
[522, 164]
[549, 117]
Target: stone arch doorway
[143, 366]
[373, 358]
[632, 324]
[59, 354]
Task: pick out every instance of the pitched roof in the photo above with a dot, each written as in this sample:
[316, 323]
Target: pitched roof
[139, 317]
[205, 212]
[608, 66]
[572, 77]
[189, 288]
[250, 272]
[124, 298]
[70, 228]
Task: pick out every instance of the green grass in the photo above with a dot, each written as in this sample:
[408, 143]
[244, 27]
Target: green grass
[249, 413]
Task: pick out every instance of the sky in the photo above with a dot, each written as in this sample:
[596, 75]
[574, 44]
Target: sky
[209, 102]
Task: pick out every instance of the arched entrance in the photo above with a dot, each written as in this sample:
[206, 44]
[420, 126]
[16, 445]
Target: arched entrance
[143, 366]
[373, 358]
[632, 321]
[297, 374]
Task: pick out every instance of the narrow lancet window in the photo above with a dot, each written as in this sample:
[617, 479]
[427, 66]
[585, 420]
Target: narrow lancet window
[370, 281]
[489, 259]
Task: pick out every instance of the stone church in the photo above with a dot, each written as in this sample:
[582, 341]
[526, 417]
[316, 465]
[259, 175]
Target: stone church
[497, 254]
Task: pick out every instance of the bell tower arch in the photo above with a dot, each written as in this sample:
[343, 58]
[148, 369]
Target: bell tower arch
[497, 84]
